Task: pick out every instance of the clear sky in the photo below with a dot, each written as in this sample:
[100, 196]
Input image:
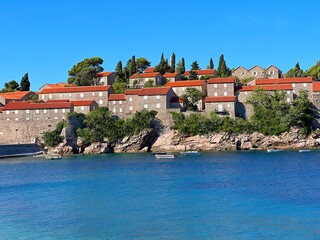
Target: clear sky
[46, 38]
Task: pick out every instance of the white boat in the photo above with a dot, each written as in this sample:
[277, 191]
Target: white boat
[52, 157]
[190, 153]
[274, 150]
[164, 155]
[304, 150]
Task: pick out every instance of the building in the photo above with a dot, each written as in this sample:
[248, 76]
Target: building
[117, 104]
[257, 72]
[180, 88]
[206, 73]
[139, 79]
[218, 87]
[222, 106]
[99, 94]
[24, 122]
[56, 85]
[150, 70]
[7, 97]
[171, 77]
[106, 78]
[80, 106]
[132, 101]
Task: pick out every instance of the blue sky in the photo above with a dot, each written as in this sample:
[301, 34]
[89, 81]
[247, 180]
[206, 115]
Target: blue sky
[46, 38]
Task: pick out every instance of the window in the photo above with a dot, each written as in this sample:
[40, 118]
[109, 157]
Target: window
[37, 111]
[183, 88]
[120, 110]
[304, 84]
[82, 108]
[100, 102]
[56, 111]
[7, 112]
[254, 73]
[228, 105]
[42, 96]
[271, 73]
[288, 100]
[225, 94]
[27, 119]
[63, 110]
[8, 119]
[46, 118]
[27, 111]
[81, 95]
[130, 99]
[16, 119]
[245, 93]
[215, 94]
[60, 95]
[130, 108]
[157, 97]
[93, 94]
[50, 96]
[145, 106]
[243, 73]
[70, 94]
[54, 118]
[225, 85]
[220, 107]
[293, 84]
[45, 111]
[288, 92]
[114, 102]
[120, 102]
[114, 110]
[16, 111]
[100, 94]
[145, 97]
[158, 105]
[215, 85]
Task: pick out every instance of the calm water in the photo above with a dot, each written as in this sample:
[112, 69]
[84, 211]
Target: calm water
[248, 195]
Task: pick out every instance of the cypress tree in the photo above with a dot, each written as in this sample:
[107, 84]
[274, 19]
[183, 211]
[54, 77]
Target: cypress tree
[222, 68]
[133, 64]
[183, 69]
[25, 83]
[173, 63]
[211, 65]
[163, 65]
[119, 70]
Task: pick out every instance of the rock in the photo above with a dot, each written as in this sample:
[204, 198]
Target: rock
[98, 148]
[70, 134]
[61, 149]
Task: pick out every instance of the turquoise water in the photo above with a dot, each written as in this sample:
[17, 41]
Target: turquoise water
[234, 195]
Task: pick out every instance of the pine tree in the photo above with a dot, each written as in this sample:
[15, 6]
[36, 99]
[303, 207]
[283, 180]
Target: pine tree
[173, 63]
[183, 69]
[163, 65]
[222, 68]
[25, 83]
[211, 65]
[119, 70]
[133, 65]
[195, 66]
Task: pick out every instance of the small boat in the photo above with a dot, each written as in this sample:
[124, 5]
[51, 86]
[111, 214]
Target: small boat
[274, 150]
[53, 157]
[164, 155]
[190, 153]
[304, 150]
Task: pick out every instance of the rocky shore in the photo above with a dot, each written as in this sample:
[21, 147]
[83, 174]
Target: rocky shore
[167, 140]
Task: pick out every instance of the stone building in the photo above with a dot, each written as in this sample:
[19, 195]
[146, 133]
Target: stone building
[132, 101]
[221, 87]
[56, 85]
[257, 72]
[24, 122]
[7, 97]
[106, 78]
[80, 106]
[118, 105]
[171, 77]
[202, 73]
[99, 94]
[222, 106]
[139, 79]
[180, 88]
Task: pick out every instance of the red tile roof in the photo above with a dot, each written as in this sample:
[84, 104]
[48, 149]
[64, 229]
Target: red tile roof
[154, 91]
[202, 72]
[283, 80]
[57, 85]
[144, 75]
[76, 89]
[132, 92]
[82, 102]
[26, 105]
[57, 100]
[222, 80]
[117, 97]
[273, 87]
[14, 95]
[316, 86]
[103, 74]
[188, 83]
[149, 70]
[170, 75]
[220, 99]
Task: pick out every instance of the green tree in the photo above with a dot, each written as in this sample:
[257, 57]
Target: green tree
[25, 83]
[119, 85]
[191, 97]
[223, 70]
[148, 83]
[195, 66]
[295, 72]
[314, 71]
[193, 75]
[119, 70]
[133, 65]
[84, 72]
[10, 86]
[53, 138]
[211, 65]
[163, 65]
[142, 64]
[173, 63]
[180, 69]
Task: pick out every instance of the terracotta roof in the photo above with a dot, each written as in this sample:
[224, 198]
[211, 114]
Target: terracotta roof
[202, 72]
[57, 100]
[170, 75]
[144, 75]
[220, 99]
[188, 83]
[316, 86]
[222, 80]
[149, 70]
[132, 92]
[117, 97]
[82, 102]
[154, 91]
[26, 105]
[283, 80]
[273, 87]
[14, 95]
[57, 85]
[75, 89]
[103, 74]
[176, 99]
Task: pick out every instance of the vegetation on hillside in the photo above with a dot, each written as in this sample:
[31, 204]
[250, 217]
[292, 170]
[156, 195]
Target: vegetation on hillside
[53, 138]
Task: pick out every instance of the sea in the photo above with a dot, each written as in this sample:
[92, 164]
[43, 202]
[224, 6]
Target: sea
[218, 195]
